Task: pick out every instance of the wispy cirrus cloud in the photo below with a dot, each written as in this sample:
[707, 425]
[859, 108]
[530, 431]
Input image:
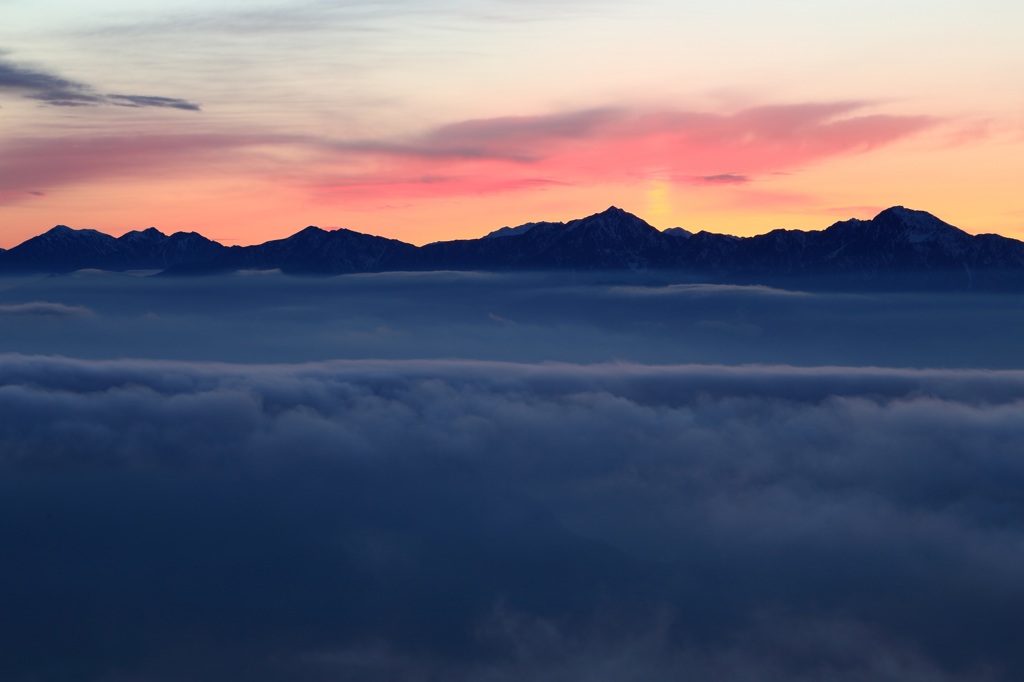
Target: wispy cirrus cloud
[525, 139]
[351, 17]
[53, 90]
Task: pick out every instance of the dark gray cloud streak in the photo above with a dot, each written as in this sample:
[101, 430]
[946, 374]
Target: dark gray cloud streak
[722, 179]
[56, 91]
[492, 521]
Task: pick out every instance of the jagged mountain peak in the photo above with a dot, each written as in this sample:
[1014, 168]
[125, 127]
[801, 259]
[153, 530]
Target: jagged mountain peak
[63, 232]
[902, 211]
[310, 235]
[900, 225]
[612, 219]
[508, 231]
[613, 213]
[916, 225]
[897, 243]
[150, 234]
[190, 235]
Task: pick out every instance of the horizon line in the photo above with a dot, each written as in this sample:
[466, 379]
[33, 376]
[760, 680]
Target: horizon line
[334, 228]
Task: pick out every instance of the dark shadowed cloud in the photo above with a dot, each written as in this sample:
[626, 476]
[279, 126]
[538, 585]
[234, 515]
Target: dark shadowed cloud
[152, 101]
[492, 521]
[649, 517]
[43, 86]
[53, 90]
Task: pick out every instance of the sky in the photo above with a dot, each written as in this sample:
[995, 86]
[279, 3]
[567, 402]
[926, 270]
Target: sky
[442, 119]
[493, 477]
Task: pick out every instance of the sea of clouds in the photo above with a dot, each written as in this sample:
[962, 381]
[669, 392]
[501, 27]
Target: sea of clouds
[491, 521]
[535, 317]
[488, 479]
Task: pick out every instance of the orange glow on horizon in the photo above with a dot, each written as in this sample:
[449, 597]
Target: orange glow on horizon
[796, 167]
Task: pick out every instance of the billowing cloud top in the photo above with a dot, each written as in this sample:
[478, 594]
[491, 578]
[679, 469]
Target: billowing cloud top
[494, 521]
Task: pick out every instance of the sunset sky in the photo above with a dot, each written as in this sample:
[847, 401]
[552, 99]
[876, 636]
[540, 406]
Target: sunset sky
[437, 119]
[658, 460]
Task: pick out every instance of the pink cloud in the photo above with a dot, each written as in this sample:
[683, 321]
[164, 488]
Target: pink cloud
[612, 145]
[478, 157]
[30, 165]
[519, 139]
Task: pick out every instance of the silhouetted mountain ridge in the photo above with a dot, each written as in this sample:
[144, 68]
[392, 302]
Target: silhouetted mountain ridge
[63, 249]
[898, 248]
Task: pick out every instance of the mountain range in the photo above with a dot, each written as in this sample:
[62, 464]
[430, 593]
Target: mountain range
[899, 248]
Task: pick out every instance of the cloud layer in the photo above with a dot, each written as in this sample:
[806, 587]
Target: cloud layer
[464, 158]
[491, 521]
[569, 317]
[616, 145]
[49, 162]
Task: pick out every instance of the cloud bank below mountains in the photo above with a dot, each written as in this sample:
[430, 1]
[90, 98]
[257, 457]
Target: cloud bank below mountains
[495, 521]
[527, 317]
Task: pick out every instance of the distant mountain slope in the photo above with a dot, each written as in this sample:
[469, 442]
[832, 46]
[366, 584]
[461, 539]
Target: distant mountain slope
[63, 249]
[899, 248]
[896, 239]
[611, 240]
[898, 245]
[317, 251]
